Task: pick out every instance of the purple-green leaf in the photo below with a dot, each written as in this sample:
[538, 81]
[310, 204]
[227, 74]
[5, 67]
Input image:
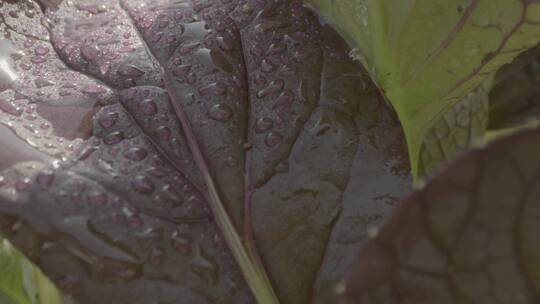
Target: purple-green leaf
[194, 151]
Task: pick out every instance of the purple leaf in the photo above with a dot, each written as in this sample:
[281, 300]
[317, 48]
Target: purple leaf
[200, 151]
[469, 236]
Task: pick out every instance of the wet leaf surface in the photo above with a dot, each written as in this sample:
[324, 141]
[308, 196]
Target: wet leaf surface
[202, 151]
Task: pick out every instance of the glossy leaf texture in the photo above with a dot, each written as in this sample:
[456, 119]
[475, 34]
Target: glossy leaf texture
[194, 151]
[470, 236]
[427, 55]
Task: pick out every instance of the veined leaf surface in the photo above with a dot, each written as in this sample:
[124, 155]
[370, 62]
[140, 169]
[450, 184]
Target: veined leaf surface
[469, 236]
[166, 151]
[427, 55]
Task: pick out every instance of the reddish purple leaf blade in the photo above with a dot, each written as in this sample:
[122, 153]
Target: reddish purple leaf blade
[129, 118]
[469, 236]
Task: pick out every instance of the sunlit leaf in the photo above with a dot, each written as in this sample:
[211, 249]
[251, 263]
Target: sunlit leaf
[21, 282]
[427, 55]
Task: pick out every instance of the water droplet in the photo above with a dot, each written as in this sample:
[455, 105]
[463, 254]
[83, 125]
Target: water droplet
[136, 153]
[220, 112]
[180, 243]
[225, 44]
[181, 70]
[163, 23]
[164, 133]
[157, 171]
[267, 66]
[150, 237]
[260, 80]
[113, 138]
[130, 71]
[38, 59]
[104, 68]
[108, 119]
[278, 47]
[41, 82]
[94, 89]
[148, 107]
[45, 178]
[202, 266]
[156, 256]
[147, 22]
[9, 108]
[97, 198]
[188, 47]
[285, 99]
[126, 49]
[86, 152]
[143, 185]
[231, 161]
[191, 78]
[41, 50]
[22, 185]
[273, 87]
[263, 124]
[90, 52]
[273, 139]
[247, 9]
[215, 89]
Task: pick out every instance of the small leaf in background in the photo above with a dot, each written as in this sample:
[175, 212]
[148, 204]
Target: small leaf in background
[21, 282]
[427, 55]
[470, 236]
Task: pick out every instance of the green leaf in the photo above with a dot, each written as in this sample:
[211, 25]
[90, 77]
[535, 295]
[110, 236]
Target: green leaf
[427, 55]
[469, 236]
[455, 131]
[21, 282]
[11, 280]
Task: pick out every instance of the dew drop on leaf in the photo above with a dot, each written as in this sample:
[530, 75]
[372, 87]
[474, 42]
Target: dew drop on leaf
[273, 139]
[214, 89]
[273, 87]
[45, 178]
[113, 138]
[148, 107]
[220, 112]
[263, 124]
[143, 184]
[108, 119]
[97, 198]
[136, 153]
